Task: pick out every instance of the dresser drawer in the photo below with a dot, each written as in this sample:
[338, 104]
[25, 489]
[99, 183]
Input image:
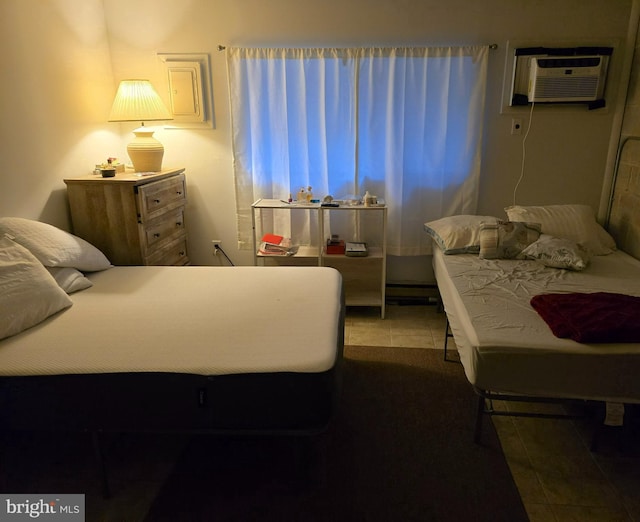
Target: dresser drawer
[163, 229]
[174, 253]
[158, 197]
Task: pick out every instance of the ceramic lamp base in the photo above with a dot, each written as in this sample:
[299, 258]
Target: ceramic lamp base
[145, 151]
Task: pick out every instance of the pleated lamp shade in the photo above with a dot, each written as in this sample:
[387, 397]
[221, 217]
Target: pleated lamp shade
[137, 100]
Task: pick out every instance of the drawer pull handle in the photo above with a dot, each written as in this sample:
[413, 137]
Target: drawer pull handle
[156, 201]
[179, 193]
[178, 223]
[156, 235]
[181, 253]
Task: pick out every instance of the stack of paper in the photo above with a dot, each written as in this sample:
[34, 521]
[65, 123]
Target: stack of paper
[274, 245]
[356, 249]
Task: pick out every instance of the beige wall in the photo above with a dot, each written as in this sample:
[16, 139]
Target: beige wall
[64, 55]
[55, 86]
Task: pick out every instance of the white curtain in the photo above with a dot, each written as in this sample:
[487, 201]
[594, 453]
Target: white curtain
[404, 124]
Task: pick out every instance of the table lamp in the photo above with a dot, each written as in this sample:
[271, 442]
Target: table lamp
[137, 100]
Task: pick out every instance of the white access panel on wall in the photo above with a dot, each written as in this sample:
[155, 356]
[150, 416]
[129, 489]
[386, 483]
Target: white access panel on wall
[187, 80]
[185, 91]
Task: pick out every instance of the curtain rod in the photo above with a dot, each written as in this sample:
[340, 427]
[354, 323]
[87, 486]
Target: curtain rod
[491, 46]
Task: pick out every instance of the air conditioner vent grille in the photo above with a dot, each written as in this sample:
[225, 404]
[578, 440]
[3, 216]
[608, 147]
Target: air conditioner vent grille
[563, 87]
[566, 79]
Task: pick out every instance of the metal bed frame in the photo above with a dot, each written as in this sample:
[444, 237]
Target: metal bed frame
[486, 397]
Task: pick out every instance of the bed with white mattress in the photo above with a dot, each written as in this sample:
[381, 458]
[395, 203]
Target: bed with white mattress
[495, 273]
[182, 348]
[505, 345]
[88, 346]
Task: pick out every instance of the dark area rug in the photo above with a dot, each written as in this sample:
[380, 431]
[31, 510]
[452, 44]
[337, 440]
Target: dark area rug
[400, 448]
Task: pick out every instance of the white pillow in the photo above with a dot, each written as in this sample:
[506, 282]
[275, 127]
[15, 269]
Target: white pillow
[575, 222]
[28, 293]
[69, 279]
[558, 252]
[458, 234]
[52, 246]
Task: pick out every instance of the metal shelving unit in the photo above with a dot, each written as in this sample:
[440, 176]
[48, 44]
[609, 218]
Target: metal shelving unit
[364, 277]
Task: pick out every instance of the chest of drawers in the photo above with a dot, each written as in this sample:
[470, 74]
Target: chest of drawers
[134, 220]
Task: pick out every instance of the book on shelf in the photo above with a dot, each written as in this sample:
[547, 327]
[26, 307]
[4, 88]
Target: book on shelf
[356, 249]
[275, 245]
[274, 239]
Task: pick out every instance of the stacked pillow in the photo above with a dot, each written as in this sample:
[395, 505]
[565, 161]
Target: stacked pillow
[28, 293]
[561, 236]
[52, 246]
[558, 252]
[39, 265]
[458, 234]
[575, 222]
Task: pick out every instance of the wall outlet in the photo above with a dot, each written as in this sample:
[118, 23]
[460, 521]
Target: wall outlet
[216, 246]
[516, 126]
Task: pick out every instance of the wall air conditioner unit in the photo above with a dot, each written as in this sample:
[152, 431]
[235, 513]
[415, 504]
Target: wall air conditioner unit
[564, 79]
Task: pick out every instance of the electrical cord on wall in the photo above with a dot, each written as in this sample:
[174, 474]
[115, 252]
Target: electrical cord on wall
[524, 150]
[218, 248]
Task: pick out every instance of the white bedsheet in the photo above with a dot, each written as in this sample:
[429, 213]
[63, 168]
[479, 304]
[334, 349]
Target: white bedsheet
[506, 346]
[197, 320]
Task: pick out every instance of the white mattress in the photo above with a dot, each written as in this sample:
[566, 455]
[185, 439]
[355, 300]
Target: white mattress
[505, 346]
[196, 320]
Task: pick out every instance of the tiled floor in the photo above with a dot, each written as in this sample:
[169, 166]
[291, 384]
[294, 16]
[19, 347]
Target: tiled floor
[558, 477]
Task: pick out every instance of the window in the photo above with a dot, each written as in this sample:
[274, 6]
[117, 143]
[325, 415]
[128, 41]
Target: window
[403, 123]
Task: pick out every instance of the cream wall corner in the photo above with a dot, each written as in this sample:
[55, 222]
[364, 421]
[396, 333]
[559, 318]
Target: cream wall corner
[55, 90]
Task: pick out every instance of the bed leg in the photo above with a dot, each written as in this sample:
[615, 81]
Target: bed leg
[310, 456]
[446, 339]
[595, 439]
[4, 445]
[479, 414]
[102, 468]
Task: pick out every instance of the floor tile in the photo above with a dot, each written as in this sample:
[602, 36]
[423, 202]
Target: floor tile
[558, 477]
[539, 512]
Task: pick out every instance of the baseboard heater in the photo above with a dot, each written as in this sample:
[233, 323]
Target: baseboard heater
[412, 293]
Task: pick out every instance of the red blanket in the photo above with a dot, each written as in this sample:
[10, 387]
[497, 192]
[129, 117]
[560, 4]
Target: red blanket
[599, 317]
